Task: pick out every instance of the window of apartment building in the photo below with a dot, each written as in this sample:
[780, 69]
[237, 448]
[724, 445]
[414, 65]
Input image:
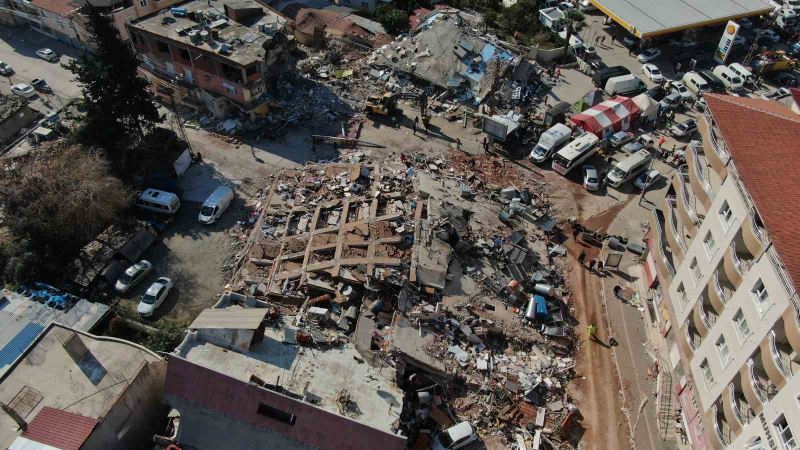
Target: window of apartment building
[364, 5]
[143, 2]
[724, 351]
[277, 414]
[742, 327]
[163, 47]
[682, 294]
[252, 70]
[710, 245]
[725, 215]
[229, 88]
[755, 444]
[785, 433]
[707, 375]
[231, 73]
[760, 296]
[697, 273]
[184, 54]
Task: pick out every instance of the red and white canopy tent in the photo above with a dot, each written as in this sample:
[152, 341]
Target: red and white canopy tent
[604, 119]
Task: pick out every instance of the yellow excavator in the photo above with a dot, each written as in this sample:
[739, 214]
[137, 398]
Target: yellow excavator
[384, 105]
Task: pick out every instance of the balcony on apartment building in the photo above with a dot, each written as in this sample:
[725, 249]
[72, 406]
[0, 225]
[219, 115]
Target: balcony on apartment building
[690, 210]
[705, 315]
[737, 261]
[663, 254]
[692, 334]
[735, 406]
[676, 234]
[779, 358]
[719, 290]
[714, 146]
[704, 181]
[722, 429]
[758, 389]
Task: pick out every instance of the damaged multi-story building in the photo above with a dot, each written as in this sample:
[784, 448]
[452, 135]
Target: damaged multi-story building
[222, 56]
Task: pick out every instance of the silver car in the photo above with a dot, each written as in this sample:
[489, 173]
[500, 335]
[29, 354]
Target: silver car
[133, 275]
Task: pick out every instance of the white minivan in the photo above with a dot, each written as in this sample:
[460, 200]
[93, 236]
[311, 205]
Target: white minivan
[628, 168]
[729, 78]
[215, 205]
[550, 142]
[695, 83]
[158, 201]
[742, 71]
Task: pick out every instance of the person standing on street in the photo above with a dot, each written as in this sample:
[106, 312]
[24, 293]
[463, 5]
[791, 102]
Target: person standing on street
[591, 330]
[591, 265]
[582, 257]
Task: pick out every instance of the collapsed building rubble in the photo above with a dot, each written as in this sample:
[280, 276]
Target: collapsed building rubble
[443, 271]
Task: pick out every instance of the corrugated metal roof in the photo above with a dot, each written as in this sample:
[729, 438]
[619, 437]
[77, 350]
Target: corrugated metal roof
[22, 340]
[60, 429]
[235, 318]
[20, 317]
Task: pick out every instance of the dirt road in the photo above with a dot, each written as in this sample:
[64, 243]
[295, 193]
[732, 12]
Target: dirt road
[596, 388]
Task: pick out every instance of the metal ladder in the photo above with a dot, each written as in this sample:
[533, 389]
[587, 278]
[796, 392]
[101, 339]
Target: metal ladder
[665, 408]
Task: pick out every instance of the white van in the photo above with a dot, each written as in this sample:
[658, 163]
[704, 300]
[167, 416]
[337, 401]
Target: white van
[729, 78]
[628, 168]
[550, 142]
[742, 71]
[625, 85]
[215, 205]
[574, 153]
[695, 83]
[158, 201]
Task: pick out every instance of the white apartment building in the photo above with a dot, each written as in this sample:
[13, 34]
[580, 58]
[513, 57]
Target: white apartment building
[727, 266]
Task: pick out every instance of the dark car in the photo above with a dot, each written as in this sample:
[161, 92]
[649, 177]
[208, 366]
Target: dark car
[785, 79]
[657, 93]
[713, 81]
[40, 85]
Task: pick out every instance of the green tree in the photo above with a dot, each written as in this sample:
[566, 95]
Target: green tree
[169, 335]
[393, 19]
[118, 106]
[574, 21]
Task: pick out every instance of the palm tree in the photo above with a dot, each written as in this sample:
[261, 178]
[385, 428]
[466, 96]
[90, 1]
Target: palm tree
[574, 22]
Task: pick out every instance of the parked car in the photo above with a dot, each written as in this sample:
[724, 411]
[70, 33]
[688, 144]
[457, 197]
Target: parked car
[777, 94]
[768, 35]
[653, 73]
[40, 85]
[621, 138]
[739, 40]
[5, 69]
[683, 129]
[23, 90]
[745, 23]
[47, 54]
[648, 55]
[670, 102]
[566, 6]
[133, 275]
[646, 178]
[455, 437]
[700, 104]
[784, 79]
[657, 92]
[154, 297]
[677, 87]
[644, 141]
[630, 41]
[590, 180]
[684, 42]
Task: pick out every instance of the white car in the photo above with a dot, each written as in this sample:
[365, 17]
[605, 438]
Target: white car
[47, 54]
[23, 90]
[769, 35]
[646, 179]
[566, 6]
[777, 94]
[133, 275]
[6, 69]
[457, 436]
[590, 180]
[679, 88]
[684, 42]
[154, 297]
[653, 73]
[648, 55]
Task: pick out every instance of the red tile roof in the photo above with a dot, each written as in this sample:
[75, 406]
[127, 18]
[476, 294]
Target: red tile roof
[60, 429]
[63, 8]
[763, 138]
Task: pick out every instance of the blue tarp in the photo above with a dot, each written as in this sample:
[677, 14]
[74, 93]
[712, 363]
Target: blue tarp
[541, 307]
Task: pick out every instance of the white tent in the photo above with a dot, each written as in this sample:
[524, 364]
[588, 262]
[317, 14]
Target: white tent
[648, 108]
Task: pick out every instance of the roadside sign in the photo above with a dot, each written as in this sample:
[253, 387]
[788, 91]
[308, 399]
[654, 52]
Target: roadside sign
[726, 42]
